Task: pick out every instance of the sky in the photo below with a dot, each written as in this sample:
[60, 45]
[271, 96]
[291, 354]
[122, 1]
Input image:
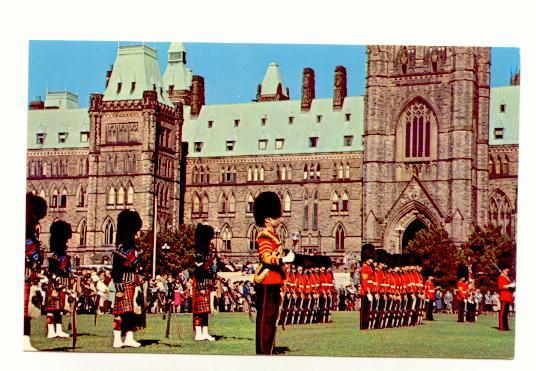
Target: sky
[231, 71]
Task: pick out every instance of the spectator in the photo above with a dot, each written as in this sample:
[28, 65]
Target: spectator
[438, 301]
[495, 304]
[448, 301]
[487, 302]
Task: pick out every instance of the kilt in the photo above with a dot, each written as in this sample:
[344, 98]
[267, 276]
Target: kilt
[56, 302]
[26, 297]
[200, 302]
[125, 303]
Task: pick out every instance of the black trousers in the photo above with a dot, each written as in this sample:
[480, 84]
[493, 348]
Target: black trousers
[267, 305]
[364, 313]
[461, 310]
[503, 316]
[430, 310]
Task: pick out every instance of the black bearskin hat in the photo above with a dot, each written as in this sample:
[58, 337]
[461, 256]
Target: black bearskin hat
[204, 233]
[381, 256]
[60, 233]
[427, 272]
[312, 261]
[368, 251]
[504, 261]
[266, 205]
[462, 272]
[128, 224]
[396, 260]
[36, 209]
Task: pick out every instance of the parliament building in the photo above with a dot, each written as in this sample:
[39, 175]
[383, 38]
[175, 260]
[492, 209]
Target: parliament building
[429, 144]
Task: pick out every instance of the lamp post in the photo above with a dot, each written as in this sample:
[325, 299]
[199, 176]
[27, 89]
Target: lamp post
[400, 229]
[165, 247]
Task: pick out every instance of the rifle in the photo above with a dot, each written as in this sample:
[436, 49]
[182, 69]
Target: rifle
[73, 317]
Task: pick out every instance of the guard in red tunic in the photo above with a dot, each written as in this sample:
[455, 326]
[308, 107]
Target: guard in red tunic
[365, 285]
[429, 291]
[36, 209]
[203, 281]
[127, 280]
[462, 289]
[298, 296]
[57, 288]
[269, 275]
[506, 288]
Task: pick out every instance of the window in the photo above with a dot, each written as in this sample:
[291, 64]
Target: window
[84, 136]
[502, 108]
[287, 203]
[347, 171]
[291, 120]
[198, 146]
[231, 206]
[230, 145]
[252, 237]
[111, 197]
[347, 116]
[133, 87]
[262, 144]
[62, 137]
[416, 128]
[82, 231]
[119, 86]
[63, 199]
[315, 211]
[318, 118]
[279, 143]
[261, 174]
[313, 142]
[263, 121]
[210, 123]
[222, 204]
[249, 204]
[54, 199]
[250, 174]
[339, 237]
[236, 123]
[80, 197]
[108, 232]
[40, 138]
[344, 203]
[335, 202]
[121, 196]
[499, 133]
[226, 237]
[348, 139]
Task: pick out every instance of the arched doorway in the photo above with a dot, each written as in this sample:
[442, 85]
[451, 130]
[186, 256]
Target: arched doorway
[411, 231]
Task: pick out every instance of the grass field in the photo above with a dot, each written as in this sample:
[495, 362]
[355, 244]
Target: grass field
[443, 338]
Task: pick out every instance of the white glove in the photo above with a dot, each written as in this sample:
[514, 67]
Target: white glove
[289, 258]
[369, 297]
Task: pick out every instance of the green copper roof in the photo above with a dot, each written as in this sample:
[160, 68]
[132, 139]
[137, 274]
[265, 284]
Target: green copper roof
[61, 99]
[52, 122]
[135, 70]
[506, 97]
[330, 127]
[272, 78]
[177, 74]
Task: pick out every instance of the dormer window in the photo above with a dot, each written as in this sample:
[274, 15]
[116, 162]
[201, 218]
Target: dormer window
[347, 116]
[279, 143]
[502, 108]
[154, 87]
[119, 86]
[348, 139]
[313, 142]
[263, 143]
[132, 87]
[236, 123]
[62, 137]
[499, 133]
[198, 146]
[291, 120]
[229, 145]
[210, 123]
[84, 136]
[263, 121]
[319, 118]
[40, 138]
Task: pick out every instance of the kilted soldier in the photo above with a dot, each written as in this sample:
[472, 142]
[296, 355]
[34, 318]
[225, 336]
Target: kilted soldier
[36, 209]
[269, 276]
[462, 291]
[59, 269]
[125, 273]
[202, 281]
[506, 287]
[365, 285]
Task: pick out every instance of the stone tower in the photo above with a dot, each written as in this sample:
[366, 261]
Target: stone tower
[132, 123]
[425, 142]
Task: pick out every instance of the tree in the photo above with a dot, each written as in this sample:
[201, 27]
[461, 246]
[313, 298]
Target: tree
[483, 249]
[439, 254]
[180, 256]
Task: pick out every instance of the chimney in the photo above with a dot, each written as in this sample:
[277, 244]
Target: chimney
[339, 88]
[37, 104]
[108, 75]
[198, 95]
[308, 88]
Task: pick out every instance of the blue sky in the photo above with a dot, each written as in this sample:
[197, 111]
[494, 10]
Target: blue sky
[231, 71]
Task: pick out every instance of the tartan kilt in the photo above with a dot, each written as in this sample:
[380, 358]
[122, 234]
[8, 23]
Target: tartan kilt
[125, 303]
[26, 297]
[56, 302]
[200, 302]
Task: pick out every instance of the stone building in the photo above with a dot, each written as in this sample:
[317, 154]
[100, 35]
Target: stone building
[430, 144]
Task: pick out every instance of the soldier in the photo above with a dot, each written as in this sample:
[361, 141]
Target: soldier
[506, 288]
[461, 291]
[379, 279]
[299, 296]
[429, 288]
[59, 269]
[269, 276]
[291, 284]
[36, 209]
[365, 285]
[331, 292]
[125, 273]
[202, 281]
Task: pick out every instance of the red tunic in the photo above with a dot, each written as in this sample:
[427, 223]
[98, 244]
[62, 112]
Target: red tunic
[317, 288]
[365, 279]
[429, 290]
[268, 245]
[379, 278]
[461, 290]
[504, 293]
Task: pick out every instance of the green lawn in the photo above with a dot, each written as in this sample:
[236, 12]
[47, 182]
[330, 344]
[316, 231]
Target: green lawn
[444, 338]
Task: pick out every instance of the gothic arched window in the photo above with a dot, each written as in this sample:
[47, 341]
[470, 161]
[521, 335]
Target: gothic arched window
[340, 235]
[111, 197]
[82, 231]
[249, 203]
[130, 195]
[108, 232]
[417, 133]
[315, 211]
[252, 236]
[286, 203]
[305, 223]
[226, 237]
[335, 202]
[500, 212]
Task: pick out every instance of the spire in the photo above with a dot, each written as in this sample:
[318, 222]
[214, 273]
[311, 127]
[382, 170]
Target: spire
[177, 53]
[272, 86]
[177, 78]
